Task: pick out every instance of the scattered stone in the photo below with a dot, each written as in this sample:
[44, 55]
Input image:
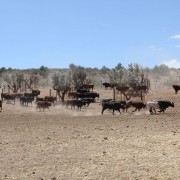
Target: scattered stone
[104, 152]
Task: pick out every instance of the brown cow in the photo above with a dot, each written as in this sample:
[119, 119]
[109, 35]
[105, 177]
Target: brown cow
[122, 88]
[36, 92]
[43, 105]
[17, 95]
[50, 98]
[76, 102]
[8, 97]
[70, 102]
[72, 94]
[87, 86]
[3, 95]
[141, 88]
[111, 85]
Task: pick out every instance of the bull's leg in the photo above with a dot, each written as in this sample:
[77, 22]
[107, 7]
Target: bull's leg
[102, 110]
[126, 108]
[151, 111]
[154, 110]
[13, 101]
[119, 111]
[113, 112]
[66, 105]
[162, 110]
[45, 108]
[135, 109]
[8, 100]
[72, 106]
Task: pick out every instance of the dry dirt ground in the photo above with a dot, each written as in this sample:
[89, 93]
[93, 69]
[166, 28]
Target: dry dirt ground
[70, 144]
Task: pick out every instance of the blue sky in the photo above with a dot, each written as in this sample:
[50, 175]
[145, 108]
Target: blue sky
[90, 33]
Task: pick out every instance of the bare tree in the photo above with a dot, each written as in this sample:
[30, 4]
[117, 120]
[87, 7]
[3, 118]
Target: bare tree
[61, 83]
[29, 81]
[14, 81]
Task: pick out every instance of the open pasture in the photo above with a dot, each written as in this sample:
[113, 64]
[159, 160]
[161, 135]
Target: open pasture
[61, 143]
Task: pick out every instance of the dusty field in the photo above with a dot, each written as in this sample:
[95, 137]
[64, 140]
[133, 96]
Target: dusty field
[70, 144]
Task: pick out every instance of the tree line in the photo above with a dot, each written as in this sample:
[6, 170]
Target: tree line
[64, 80]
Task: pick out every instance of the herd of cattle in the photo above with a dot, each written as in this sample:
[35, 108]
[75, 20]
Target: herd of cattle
[28, 98]
[83, 97]
[124, 88]
[151, 105]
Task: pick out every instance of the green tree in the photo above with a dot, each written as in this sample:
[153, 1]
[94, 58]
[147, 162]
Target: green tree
[161, 70]
[118, 75]
[128, 80]
[104, 70]
[78, 74]
[2, 70]
[43, 71]
[137, 75]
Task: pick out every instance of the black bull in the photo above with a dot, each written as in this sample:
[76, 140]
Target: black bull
[176, 88]
[92, 95]
[43, 105]
[75, 102]
[115, 106]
